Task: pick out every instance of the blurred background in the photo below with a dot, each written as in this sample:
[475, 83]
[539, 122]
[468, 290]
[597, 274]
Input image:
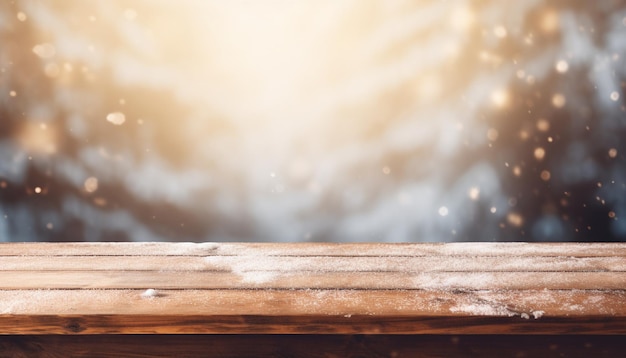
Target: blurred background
[352, 120]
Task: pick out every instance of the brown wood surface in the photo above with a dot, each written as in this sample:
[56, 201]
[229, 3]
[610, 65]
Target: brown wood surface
[331, 346]
[480, 288]
[313, 249]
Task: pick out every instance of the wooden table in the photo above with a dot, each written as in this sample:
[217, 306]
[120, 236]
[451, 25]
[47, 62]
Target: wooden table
[225, 299]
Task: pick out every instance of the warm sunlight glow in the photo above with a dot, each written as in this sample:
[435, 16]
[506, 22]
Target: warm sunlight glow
[320, 120]
[500, 97]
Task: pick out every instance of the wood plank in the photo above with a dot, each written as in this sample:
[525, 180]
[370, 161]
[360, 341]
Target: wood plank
[506, 303]
[314, 249]
[330, 288]
[315, 280]
[312, 311]
[314, 263]
[236, 324]
[271, 346]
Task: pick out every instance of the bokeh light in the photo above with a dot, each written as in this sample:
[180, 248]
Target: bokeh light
[279, 120]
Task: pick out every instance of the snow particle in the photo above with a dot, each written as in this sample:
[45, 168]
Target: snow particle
[543, 125]
[474, 193]
[500, 98]
[612, 152]
[558, 100]
[116, 118]
[538, 314]
[21, 16]
[500, 31]
[550, 21]
[386, 170]
[443, 211]
[12, 93]
[539, 153]
[515, 219]
[493, 210]
[150, 293]
[562, 66]
[91, 184]
[38, 189]
[614, 96]
[517, 171]
[545, 175]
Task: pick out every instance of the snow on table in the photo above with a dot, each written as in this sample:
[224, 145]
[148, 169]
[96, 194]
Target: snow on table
[306, 288]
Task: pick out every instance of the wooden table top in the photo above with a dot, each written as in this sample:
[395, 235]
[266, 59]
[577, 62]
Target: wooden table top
[313, 288]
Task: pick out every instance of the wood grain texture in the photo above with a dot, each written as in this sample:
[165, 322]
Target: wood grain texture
[314, 280]
[313, 249]
[502, 288]
[316, 263]
[277, 346]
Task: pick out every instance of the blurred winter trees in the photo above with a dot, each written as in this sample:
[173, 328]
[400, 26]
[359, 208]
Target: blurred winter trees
[321, 120]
